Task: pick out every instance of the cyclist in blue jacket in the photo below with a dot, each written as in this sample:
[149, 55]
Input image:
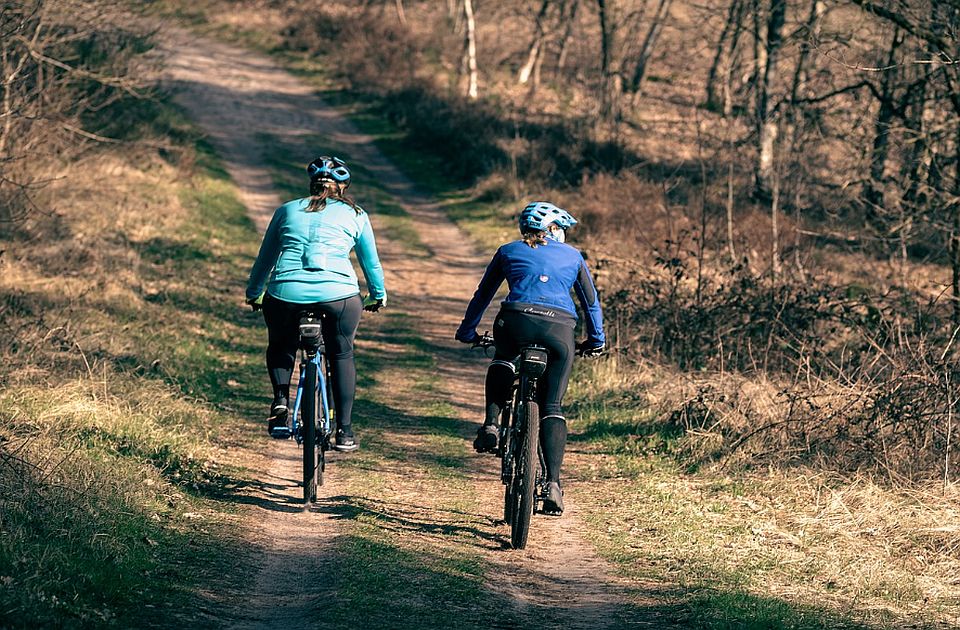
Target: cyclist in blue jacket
[304, 263]
[540, 270]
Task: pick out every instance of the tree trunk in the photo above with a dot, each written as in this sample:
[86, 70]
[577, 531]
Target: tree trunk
[916, 169]
[569, 21]
[873, 192]
[955, 234]
[536, 47]
[814, 22]
[649, 42]
[730, 160]
[471, 49]
[775, 225]
[611, 87]
[766, 123]
[733, 16]
[732, 61]
[455, 14]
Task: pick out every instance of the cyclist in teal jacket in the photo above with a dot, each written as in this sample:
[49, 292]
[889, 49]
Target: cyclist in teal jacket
[304, 263]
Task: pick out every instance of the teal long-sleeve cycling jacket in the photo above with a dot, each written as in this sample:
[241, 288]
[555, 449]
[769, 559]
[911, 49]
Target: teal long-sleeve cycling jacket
[307, 254]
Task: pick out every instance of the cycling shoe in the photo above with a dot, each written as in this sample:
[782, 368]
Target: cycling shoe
[486, 440]
[553, 501]
[277, 422]
[345, 441]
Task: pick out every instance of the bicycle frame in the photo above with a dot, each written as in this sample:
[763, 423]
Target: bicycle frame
[311, 412]
[324, 416]
[530, 366]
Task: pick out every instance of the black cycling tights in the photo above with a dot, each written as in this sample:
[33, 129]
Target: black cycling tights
[339, 322]
[512, 330]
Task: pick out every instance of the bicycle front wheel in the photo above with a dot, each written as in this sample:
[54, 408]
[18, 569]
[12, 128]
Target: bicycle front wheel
[525, 476]
[308, 427]
[507, 463]
[324, 418]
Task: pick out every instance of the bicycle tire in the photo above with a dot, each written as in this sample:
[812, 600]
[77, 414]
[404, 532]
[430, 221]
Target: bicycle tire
[506, 466]
[308, 425]
[323, 429]
[525, 475]
[330, 407]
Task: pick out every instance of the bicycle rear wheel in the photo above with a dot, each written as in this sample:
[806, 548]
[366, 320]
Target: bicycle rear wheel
[308, 427]
[525, 476]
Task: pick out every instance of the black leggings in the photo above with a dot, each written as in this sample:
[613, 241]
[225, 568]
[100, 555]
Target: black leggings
[339, 321]
[511, 331]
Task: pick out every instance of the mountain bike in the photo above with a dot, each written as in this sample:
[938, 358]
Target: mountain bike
[312, 419]
[522, 468]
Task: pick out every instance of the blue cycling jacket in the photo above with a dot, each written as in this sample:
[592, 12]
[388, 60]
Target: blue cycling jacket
[309, 254]
[540, 276]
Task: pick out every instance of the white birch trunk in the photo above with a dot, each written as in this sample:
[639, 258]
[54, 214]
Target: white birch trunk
[532, 58]
[471, 48]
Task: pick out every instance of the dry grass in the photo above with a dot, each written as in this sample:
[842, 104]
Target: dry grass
[107, 447]
[855, 547]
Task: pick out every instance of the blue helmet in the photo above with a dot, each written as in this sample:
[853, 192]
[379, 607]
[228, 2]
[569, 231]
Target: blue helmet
[329, 169]
[540, 214]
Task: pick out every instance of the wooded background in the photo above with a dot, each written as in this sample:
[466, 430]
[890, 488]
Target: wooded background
[766, 187]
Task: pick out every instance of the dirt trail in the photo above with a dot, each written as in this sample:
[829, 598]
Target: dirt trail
[239, 97]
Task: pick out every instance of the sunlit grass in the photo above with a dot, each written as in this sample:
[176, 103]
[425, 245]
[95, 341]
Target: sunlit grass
[109, 448]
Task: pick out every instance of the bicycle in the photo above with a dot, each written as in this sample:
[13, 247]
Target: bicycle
[312, 420]
[522, 467]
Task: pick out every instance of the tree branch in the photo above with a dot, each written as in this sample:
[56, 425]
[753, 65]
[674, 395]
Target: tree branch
[849, 88]
[901, 20]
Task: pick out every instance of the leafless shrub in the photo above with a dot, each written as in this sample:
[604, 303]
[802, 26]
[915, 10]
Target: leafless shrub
[63, 63]
[885, 401]
[372, 54]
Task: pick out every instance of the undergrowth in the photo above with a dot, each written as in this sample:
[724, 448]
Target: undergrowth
[114, 339]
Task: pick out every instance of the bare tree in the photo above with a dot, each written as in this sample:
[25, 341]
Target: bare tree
[873, 188]
[568, 16]
[936, 26]
[725, 53]
[767, 60]
[470, 49]
[534, 54]
[649, 43]
[611, 78]
[54, 77]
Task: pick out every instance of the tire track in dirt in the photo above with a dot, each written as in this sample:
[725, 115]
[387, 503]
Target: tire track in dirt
[238, 97]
